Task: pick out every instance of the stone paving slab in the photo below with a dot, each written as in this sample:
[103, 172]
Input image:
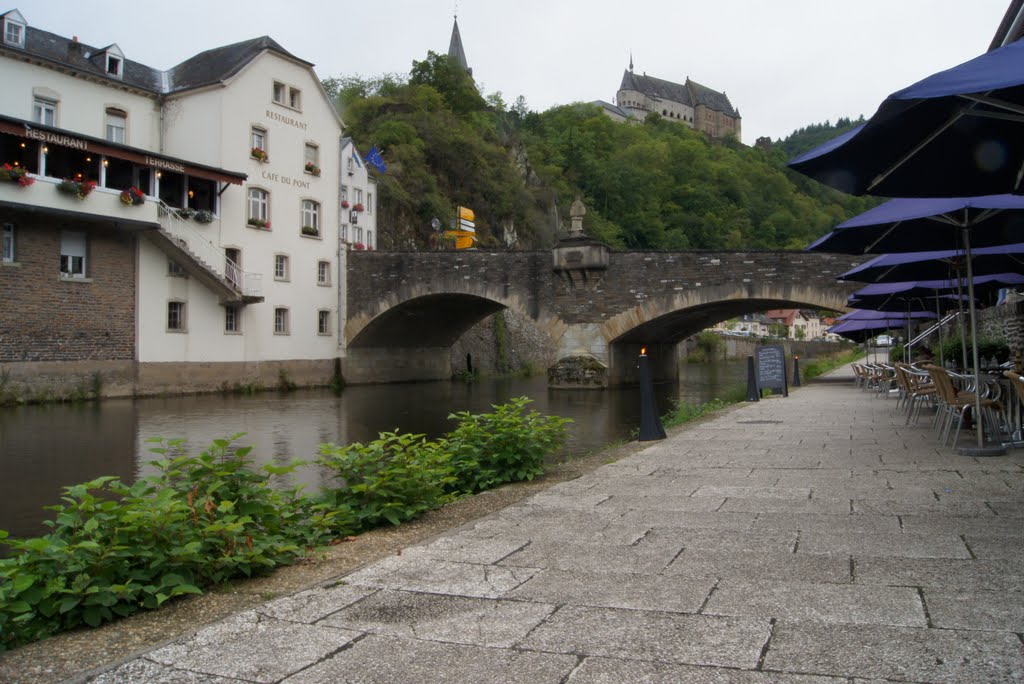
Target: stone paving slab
[931, 509]
[619, 559]
[442, 577]
[253, 647]
[437, 617]
[983, 525]
[671, 593]
[836, 603]
[895, 653]
[388, 660]
[938, 573]
[621, 504]
[616, 671]
[839, 524]
[812, 506]
[648, 635]
[900, 545]
[763, 566]
[981, 610]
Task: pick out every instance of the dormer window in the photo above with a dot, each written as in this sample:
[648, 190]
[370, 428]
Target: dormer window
[113, 61]
[14, 29]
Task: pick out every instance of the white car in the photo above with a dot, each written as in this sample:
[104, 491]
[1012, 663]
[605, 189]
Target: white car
[883, 341]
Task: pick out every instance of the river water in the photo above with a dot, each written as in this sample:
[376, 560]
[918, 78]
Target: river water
[43, 448]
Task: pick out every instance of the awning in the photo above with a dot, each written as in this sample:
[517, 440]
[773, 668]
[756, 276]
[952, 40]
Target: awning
[56, 136]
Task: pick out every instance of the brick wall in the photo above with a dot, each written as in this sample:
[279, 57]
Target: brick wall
[46, 319]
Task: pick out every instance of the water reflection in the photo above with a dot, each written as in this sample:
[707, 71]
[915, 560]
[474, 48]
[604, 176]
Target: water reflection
[43, 448]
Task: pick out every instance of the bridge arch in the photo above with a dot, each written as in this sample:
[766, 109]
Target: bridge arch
[660, 323]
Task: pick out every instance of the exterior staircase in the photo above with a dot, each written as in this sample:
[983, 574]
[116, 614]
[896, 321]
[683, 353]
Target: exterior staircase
[203, 260]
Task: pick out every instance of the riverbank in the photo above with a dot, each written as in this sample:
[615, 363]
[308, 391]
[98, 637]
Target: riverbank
[72, 656]
[809, 535]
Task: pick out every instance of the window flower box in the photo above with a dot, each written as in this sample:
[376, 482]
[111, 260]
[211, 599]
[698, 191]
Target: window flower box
[80, 189]
[259, 154]
[359, 207]
[16, 174]
[259, 223]
[203, 216]
[132, 196]
[185, 212]
[358, 246]
[310, 230]
[345, 204]
[312, 168]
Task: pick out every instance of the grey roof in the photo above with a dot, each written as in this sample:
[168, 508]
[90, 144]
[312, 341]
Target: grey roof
[691, 93]
[656, 87]
[455, 49]
[712, 99]
[615, 109]
[211, 66]
[215, 65]
[85, 58]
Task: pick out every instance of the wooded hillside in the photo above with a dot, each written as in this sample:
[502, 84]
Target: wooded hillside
[657, 184]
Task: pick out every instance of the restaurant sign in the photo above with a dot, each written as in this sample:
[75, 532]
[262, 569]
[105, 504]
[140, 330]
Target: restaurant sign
[56, 138]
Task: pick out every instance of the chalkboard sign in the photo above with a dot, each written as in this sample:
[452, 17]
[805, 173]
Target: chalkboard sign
[771, 369]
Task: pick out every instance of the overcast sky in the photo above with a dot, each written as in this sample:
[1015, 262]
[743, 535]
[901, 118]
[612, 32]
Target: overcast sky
[783, 63]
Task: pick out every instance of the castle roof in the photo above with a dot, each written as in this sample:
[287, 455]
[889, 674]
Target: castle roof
[615, 109]
[656, 87]
[691, 93]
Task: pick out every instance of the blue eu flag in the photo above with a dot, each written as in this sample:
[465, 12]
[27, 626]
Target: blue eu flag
[373, 158]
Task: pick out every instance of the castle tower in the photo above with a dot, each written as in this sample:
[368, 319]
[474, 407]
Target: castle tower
[455, 49]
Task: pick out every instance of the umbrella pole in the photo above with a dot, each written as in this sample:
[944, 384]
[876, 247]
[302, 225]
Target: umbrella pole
[978, 427]
[938, 312]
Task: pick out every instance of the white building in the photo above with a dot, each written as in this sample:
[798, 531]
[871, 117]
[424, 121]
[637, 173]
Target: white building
[232, 157]
[357, 199]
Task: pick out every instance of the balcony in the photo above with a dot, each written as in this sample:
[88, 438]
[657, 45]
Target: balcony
[101, 205]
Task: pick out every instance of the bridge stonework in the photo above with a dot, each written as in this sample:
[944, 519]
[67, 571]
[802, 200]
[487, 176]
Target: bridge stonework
[406, 309]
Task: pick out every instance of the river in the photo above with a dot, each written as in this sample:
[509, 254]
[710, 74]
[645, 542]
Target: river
[46, 447]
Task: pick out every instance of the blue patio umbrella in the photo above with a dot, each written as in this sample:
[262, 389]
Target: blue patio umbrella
[956, 133]
[911, 224]
[938, 264]
[920, 294]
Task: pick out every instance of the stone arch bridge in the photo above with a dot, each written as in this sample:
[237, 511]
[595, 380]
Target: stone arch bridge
[404, 310]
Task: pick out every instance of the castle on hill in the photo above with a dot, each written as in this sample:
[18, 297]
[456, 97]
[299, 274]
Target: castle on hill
[689, 103]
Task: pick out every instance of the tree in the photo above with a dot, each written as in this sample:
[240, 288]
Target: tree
[451, 80]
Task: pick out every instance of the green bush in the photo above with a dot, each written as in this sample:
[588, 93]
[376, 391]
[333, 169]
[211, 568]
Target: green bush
[115, 549]
[394, 478]
[507, 445]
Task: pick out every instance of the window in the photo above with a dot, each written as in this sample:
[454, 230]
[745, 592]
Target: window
[312, 155]
[174, 269]
[294, 98]
[175, 316]
[114, 65]
[323, 273]
[344, 233]
[116, 120]
[310, 217]
[369, 240]
[359, 196]
[369, 203]
[7, 255]
[14, 33]
[278, 92]
[280, 267]
[280, 321]
[344, 193]
[72, 254]
[258, 138]
[323, 324]
[231, 319]
[259, 201]
[45, 112]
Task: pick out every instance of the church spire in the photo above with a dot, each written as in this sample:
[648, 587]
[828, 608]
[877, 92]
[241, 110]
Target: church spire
[455, 49]
[630, 61]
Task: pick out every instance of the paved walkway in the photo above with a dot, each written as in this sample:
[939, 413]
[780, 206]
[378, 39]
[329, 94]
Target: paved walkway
[804, 540]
